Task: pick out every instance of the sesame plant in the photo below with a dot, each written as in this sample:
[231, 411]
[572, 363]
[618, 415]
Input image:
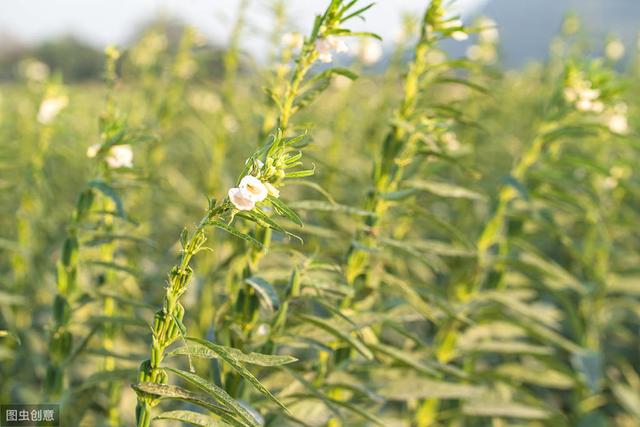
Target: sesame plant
[98, 223]
[265, 171]
[446, 239]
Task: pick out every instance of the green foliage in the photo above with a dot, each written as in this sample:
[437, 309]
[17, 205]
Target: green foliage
[439, 244]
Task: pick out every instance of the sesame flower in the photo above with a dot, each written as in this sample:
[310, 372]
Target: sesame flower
[488, 33]
[370, 52]
[241, 199]
[617, 121]
[50, 107]
[254, 188]
[249, 192]
[583, 96]
[459, 36]
[455, 24]
[614, 50]
[326, 45]
[120, 156]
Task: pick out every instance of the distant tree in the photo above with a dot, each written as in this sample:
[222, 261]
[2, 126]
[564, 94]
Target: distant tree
[73, 58]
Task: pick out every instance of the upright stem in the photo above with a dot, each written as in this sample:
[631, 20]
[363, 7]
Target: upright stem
[390, 164]
[168, 325]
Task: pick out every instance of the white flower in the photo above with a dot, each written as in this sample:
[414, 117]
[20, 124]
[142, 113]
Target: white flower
[241, 199]
[452, 23]
[326, 45]
[618, 123]
[120, 156]
[50, 107]
[614, 50]
[273, 191]
[292, 40]
[92, 151]
[459, 36]
[488, 31]
[370, 52]
[250, 191]
[254, 188]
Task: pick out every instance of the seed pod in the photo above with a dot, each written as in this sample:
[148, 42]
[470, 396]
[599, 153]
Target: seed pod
[61, 310]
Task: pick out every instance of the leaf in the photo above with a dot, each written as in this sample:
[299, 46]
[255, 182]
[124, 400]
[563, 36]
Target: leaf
[268, 296]
[404, 358]
[219, 394]
[113, 266]
[358, 345]
[259, 359]
[230, 358]
[589, 364]
[174, 392]
[415, 387]
[628, 398]
[322, 206]
[463, 82]
[444, 189]
[111, 193]
[234, 232]
[195, 418]
[504, 409]
[284, 210]
[117, 375]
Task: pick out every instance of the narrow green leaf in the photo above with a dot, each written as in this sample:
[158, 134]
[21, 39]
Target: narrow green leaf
[230, 358]
[259, 359]
[284, 210]
[234, 232]
[358, 345]
[443, 189]
[322, 206]
[111, 193]
[504, 409]
[268, 295]
[220, 395]
[194, 418]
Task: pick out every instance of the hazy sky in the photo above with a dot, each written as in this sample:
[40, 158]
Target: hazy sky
[103, 22]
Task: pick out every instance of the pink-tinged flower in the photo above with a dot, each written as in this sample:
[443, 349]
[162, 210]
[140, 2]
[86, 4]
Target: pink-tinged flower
[241, 199]
[254, 188]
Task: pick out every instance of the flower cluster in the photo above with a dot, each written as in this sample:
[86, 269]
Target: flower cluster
[485, 50]
[455, 28]
[582, 95]
[249, 192]
[327, 45]
[585, 97]
[118, 156]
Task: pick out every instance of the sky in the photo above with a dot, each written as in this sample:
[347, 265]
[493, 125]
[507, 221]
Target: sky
[103, 22]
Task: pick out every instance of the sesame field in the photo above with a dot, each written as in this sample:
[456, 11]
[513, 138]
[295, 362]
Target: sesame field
[336, 235]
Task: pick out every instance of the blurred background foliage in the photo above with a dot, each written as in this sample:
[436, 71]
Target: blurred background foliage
[502, 291]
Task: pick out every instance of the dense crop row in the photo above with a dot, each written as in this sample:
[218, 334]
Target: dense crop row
[441, 243]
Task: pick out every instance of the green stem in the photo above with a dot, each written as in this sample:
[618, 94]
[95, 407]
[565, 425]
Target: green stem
[168, 325]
